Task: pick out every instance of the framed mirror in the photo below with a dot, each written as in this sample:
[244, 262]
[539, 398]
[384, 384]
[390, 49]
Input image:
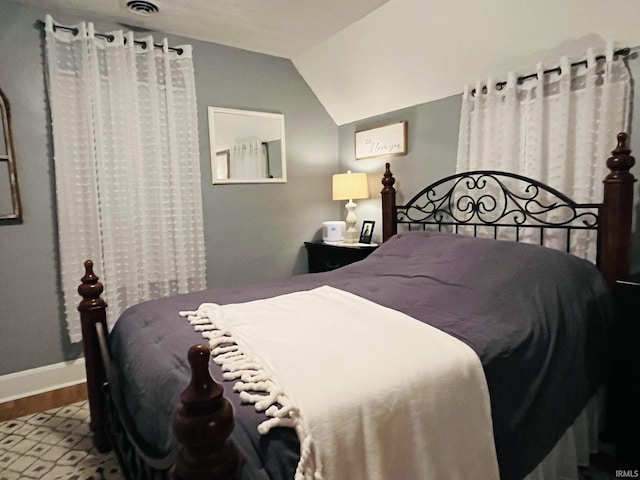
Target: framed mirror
[10, 205]
[247, 146]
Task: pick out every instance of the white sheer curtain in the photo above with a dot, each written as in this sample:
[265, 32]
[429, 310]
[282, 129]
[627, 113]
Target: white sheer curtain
[558, 128]
[248, 160]
[125, 141]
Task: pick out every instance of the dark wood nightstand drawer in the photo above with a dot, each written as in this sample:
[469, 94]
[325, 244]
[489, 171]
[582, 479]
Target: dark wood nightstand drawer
[324, 257]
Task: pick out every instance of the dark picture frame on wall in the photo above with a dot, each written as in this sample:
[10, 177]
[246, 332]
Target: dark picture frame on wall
[367, 231]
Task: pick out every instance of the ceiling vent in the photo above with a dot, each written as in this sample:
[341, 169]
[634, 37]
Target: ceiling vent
[143, 7]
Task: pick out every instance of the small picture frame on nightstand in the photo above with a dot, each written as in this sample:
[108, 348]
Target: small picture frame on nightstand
[367, 231]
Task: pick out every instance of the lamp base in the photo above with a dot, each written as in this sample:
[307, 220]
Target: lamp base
[351, 234]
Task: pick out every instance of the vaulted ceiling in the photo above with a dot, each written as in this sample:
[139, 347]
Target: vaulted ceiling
[284, 28]
[366, 57]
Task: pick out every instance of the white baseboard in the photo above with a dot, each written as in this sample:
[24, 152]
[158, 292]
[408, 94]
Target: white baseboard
[41, 379]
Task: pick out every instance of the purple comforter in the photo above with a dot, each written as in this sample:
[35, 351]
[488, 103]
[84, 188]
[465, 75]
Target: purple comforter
[538, 319]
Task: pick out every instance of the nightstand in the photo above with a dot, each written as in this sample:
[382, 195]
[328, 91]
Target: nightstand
[626, 377]
[324, 256]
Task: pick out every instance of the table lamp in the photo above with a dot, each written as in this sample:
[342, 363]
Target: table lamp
[350, 186]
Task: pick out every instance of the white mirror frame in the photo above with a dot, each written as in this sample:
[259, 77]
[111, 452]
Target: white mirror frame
[220, 155]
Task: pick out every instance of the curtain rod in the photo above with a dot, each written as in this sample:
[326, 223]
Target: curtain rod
[500, 85]
[109, 38]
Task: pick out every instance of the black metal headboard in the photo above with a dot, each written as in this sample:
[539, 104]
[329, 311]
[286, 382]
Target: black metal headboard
[491, 203]
[532, 205]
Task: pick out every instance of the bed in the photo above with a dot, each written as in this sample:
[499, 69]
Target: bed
[487, 293]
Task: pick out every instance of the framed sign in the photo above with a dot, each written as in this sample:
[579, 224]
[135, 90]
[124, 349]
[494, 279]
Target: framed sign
[388, 140]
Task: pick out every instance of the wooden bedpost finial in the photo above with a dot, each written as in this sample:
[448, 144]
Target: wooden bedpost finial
[621, 161]
[90, 289]
[616, 215]
[389, 226]
[387, 179]
[202, 425]
[93, 313]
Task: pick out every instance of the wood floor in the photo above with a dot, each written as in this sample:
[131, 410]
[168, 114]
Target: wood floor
[41, 402]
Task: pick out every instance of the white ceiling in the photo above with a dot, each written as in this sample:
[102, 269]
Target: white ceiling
[362, 58]
[409, 52]
[283, 28]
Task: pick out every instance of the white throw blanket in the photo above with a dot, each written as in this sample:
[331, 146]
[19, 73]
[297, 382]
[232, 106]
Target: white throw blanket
[372, 393]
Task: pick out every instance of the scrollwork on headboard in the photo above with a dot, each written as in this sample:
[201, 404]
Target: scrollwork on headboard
[497, 200]
[532, 204]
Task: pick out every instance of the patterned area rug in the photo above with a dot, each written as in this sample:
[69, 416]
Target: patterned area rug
[56, 445]
[53, 445]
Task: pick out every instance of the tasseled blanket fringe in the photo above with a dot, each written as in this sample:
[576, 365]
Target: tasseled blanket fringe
[254, 384]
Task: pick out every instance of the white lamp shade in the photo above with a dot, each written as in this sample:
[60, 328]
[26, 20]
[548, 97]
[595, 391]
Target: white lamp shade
[350, 186]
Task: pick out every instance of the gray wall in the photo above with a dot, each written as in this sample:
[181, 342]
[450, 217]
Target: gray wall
[252, 232]
[433, 144]
[432, 132]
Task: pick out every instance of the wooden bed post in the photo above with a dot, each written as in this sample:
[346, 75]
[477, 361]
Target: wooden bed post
[93, 312]
[389, 225]
[617, 212]
[202, 425]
